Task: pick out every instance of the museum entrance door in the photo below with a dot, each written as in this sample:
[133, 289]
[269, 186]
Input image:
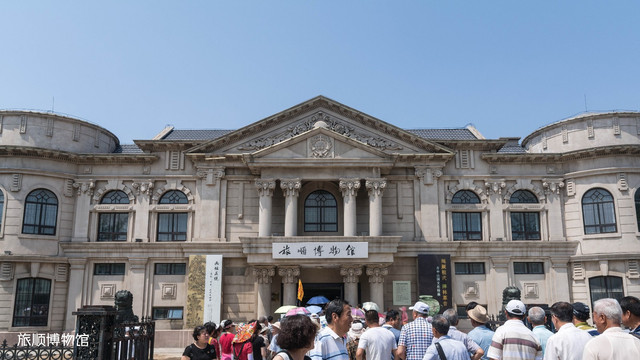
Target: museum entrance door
[329, 290]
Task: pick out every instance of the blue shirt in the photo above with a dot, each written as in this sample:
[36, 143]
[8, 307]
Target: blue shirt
[395, 332]
[452, 349]
[481, 335]
[329, 346]
[543, 334]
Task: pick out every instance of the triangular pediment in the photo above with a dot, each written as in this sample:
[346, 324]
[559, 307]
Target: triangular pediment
[320, 112]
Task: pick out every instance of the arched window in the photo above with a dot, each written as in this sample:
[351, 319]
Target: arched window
[524, 225]
[606, 287]
[637, 198]
[40, 213]
[598, 212]
[112, 226]
[466, 225]
[173, 226]
[32, 302]
[320, 212]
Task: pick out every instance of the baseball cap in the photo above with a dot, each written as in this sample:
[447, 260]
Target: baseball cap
[516, 307]
[581, 310]
[420, 307]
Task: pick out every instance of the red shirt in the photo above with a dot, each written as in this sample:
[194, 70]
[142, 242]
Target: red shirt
[243, 350]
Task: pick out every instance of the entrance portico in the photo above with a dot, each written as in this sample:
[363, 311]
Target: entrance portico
[323, 269]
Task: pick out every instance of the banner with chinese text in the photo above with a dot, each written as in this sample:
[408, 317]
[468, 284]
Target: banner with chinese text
[434, 278]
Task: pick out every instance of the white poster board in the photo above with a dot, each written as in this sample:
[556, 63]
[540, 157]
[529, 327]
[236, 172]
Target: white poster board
[213, 289]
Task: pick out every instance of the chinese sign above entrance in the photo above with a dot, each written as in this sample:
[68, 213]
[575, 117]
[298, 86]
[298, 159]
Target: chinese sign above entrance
[320, 250]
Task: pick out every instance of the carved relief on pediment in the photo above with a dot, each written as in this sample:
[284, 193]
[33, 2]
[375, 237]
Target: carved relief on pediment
[320, 119]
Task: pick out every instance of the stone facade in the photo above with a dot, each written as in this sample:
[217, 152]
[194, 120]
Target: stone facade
[236, 193]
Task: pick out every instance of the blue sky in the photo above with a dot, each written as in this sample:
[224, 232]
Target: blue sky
[508, 67]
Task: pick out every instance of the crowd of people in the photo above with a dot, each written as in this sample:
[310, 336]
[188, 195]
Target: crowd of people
[561, 333]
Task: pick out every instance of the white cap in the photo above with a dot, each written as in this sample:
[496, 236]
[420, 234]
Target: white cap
[420, 307]
[516, 307]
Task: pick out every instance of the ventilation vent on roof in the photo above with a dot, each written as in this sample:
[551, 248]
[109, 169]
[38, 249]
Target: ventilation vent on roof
[61, 272]
[578, 271]
[634, 271]
[6, 271]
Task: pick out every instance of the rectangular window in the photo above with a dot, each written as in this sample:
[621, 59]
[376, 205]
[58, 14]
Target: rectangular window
[528, 268]
[170, 269]
[525, 225]
[469, 268]
[467, 226]
[109, 269]
[167, 313]
[32, 302]
[113, 226]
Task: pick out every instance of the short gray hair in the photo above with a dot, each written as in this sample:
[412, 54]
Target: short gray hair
[451, 316]
[536, 315]
[610, 308]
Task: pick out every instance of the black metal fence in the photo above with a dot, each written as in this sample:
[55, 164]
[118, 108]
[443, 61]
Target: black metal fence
[133, 340]
[53, 352]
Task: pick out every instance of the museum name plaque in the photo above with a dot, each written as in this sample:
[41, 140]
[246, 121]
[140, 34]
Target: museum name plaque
[320, 250]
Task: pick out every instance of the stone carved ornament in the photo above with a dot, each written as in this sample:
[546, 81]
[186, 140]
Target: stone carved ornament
[308, 124]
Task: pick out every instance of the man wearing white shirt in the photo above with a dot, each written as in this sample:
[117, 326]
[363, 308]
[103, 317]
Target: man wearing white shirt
[569, 342]
[613, 343]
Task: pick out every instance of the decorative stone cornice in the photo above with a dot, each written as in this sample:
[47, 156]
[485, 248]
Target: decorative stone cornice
[264, 274]
[84, 187]
[376, 186]
[349, 187]
[289, 274]
[265, 187]
[351, 273]
[290, 187]
[428, 174]
[210, 175]
[377, 273]
[552, 186]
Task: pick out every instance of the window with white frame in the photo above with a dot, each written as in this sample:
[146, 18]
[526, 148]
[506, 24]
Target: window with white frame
[525, 225]
[466, 225]
[172, 226]
[113, 226]
[40, 213]
[598, 212]
[320, 212]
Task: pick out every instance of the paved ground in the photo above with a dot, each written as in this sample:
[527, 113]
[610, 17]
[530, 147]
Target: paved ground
[167, 353]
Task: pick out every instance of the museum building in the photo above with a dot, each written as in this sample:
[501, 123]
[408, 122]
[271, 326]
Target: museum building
[350, 205]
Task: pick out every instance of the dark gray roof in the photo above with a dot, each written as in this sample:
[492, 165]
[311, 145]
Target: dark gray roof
[195, 134]
[128, 149]
[512, 149]
[444, 134]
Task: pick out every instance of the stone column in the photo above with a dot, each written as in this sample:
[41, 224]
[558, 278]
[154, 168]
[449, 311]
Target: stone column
[84, 192]
[554, 202]
[76, 285]
[290, 189]
[209, 204]
[349, 188]
[376, 283]
[289, 276]
[265, 192]
[559, 276]
[264, 276]
[375, 188]
[143, 191]
[351, 277]
[136, 280]
[429, 205]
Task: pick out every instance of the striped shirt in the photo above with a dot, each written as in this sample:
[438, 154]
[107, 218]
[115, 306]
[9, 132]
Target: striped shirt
[329, 346]
[514, 341]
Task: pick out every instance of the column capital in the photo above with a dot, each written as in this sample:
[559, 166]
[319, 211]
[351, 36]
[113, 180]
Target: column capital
[377, 273]
[84, 187]
[351, 273]
[265, 186]
[210, 175]
[143, 187]
[349, 187]
[495, 187]
[552, 186]
[376, 186]
[264, 274]
[289, 274]
[290, 187]
[428, 174]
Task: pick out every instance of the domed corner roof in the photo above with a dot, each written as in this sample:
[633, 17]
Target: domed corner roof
[57, 134]
[578, 118]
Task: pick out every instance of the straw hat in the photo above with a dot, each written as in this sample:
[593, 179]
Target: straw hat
[479, 314]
